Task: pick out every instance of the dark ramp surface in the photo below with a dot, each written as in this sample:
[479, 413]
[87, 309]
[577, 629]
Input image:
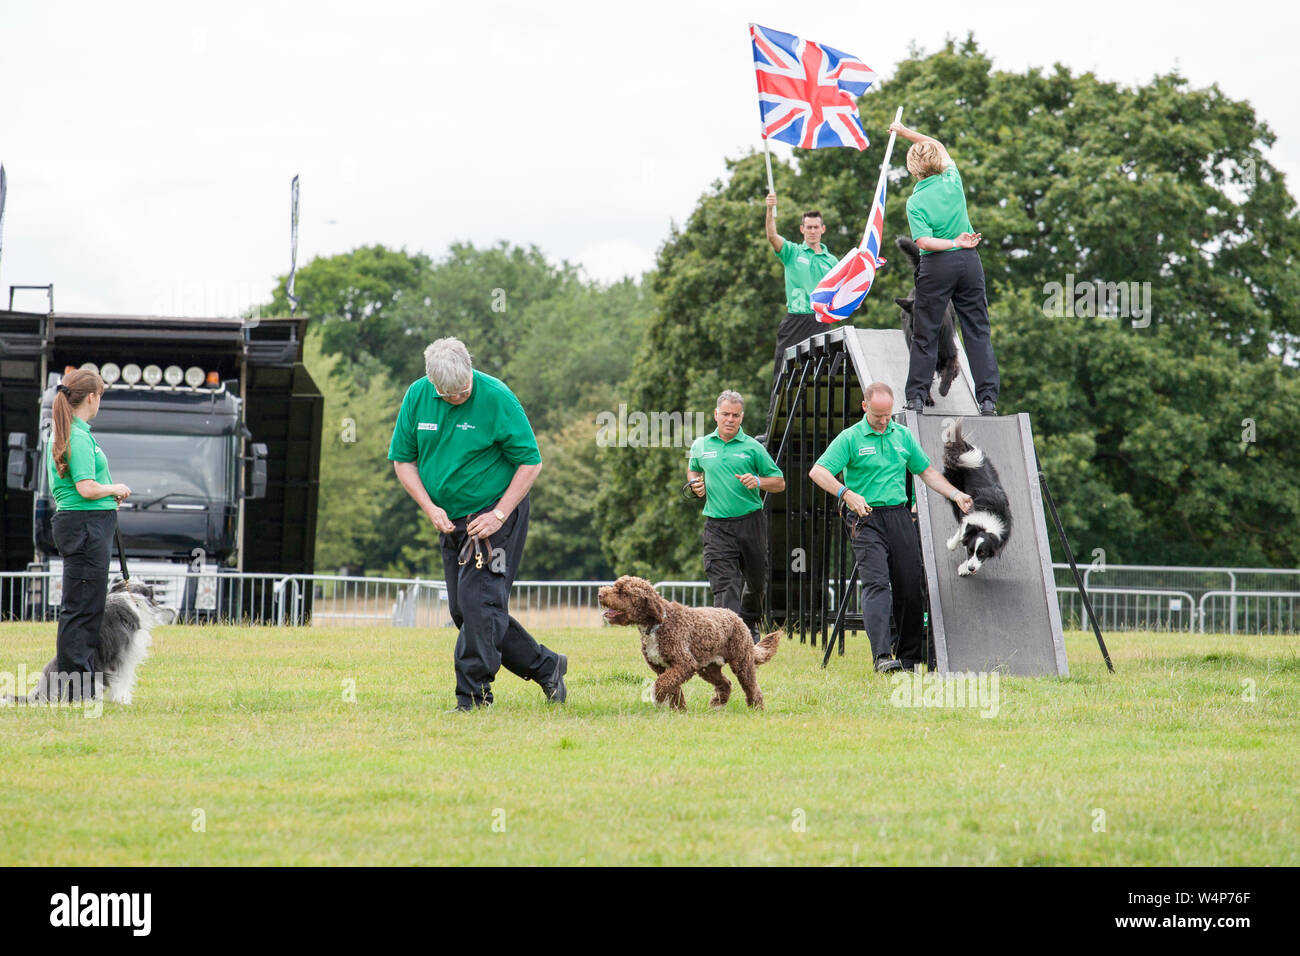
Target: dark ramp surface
[1005, 616]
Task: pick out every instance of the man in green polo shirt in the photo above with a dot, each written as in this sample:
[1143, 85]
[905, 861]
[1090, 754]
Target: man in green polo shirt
[874, 456]
[949, 270]
[805, 264]
[465, 452]
[732, 470]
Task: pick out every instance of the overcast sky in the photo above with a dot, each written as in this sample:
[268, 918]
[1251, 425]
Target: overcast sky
[149, 146]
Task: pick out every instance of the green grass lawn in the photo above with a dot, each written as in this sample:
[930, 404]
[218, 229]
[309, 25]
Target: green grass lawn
[242, 748]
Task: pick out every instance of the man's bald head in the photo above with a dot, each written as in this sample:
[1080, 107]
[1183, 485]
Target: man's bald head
[878, 403]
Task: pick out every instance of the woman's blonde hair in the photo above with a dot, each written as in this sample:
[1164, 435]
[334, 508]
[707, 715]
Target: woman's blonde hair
[73, 390]
[926, 159]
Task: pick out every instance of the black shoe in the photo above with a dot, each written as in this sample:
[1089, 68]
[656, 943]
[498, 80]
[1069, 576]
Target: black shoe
[468, 709]
[987, 407]
[554, 689]
[914, 405]
[886, 664]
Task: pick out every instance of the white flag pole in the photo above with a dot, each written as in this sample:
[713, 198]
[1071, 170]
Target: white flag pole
[884, 171]
[767, 155]
[293, 248]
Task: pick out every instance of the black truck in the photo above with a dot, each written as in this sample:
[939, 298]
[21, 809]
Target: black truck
[214, 423]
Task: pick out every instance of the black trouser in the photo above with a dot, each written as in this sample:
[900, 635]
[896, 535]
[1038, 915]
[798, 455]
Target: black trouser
[479, 598]
[959, 277]
[736, 563]
[887, 548]
[84, 540]
[794, 328]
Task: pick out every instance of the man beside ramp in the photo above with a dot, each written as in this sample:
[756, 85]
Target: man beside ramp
[874, 457]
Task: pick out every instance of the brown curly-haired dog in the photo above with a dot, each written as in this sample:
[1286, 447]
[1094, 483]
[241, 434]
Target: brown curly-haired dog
[679, 642]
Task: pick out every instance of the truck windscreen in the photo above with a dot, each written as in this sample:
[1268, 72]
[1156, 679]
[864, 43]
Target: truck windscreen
[181, 465]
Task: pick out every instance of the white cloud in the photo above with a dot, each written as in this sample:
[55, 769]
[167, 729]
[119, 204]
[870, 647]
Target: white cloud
[611, 260]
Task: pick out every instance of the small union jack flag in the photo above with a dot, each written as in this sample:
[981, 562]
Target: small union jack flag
[842, 289]
[807, 92]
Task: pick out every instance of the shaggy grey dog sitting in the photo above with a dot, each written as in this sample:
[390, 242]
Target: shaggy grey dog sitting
[130, 610]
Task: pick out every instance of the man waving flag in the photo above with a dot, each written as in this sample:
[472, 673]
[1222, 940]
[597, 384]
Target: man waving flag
[807, 92]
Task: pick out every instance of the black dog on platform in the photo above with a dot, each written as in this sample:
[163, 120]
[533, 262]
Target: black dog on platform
[983, 532]
[947, 366]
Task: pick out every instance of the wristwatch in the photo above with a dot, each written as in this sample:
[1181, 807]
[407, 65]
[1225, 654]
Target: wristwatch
[499, 516]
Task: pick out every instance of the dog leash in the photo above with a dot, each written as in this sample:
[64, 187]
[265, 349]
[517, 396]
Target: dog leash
[121, 553]
[478, 548]
[852, 519]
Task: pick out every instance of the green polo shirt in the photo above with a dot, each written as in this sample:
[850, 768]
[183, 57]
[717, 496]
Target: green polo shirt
[467, 454]
[937, 208]
[85, 460]
[874, 462]
[721, 461]
[803, 270]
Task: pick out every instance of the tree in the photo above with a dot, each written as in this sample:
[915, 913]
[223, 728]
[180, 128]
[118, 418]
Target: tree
[1157, 453]
[351, 299]
[480, 296]
[357, 488]
[1068, 177]
[560, 541]
[575, 347]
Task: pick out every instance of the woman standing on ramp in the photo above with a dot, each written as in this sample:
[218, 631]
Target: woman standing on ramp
[949, 270]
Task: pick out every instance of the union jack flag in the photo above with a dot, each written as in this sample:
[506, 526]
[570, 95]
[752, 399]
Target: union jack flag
[842, 289]
[807, 92]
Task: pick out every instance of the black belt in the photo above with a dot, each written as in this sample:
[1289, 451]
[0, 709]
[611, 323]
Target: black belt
[749, 514]
[856, 521]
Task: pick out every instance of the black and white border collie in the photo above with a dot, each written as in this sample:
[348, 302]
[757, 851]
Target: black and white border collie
[985, 531]
[130, 611]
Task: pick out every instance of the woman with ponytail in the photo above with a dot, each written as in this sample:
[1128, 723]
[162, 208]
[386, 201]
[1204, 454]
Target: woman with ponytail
[83, 528]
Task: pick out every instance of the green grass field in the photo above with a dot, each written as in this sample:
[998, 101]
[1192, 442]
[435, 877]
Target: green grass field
[242, 747]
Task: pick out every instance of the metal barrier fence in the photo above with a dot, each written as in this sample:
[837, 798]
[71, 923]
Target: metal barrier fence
[198, 597]
[1124, 597]
[1251, 585]
[334, 599]
[1129, 609]
[416, 602]
[1249, 612]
